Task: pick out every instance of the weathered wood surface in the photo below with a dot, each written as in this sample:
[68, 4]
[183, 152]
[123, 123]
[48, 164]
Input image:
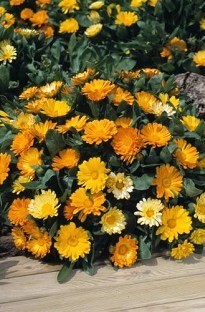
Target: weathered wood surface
[158, 284]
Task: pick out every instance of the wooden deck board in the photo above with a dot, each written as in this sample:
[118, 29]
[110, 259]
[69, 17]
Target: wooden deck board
[154, 285]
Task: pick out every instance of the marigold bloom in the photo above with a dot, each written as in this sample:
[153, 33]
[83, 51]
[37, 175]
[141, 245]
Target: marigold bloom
[30, 228]
[149, 212]
[158, 108]
[137, 3]
[16, 2]
[69, 26]
[39, 245]
[68, 5]
[93, 30]
[26, 13]
[123, 122]
[8, 20]
[17, 186]
[43, 3]
[199, 58]
[24, 121]
[5, 160]
[99, 131]
[26, 32]
[40, 129]
[150, 72]
[155, 134]
[48, 31]
[121, 95]
[186, 154]
[72, 242]
[7, 52]
[19, 238]
[29, 93]
[77, 122]
[39, 18]
[183, 250]
[200, 208]
[50, 89]
[127, 143]
[18, 211]
[178, 44]
[97, 89]
[146, 100]
[96, 5]
[82, 78]
[198, 236]
[152, 2]
[128, 75]
[54, 108]
[22, 142]
[68, 210]
[126, 18]
[120, 185]
[166, 53]
[190, 122]
[168, 180]
[34, 106]
[94, 17]
[113, 221]
[92, 174]
[68, 158]
[125, 252]
[28, 161]
[44, 205]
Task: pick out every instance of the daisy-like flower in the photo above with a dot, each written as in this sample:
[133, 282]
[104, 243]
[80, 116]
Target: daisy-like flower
[155, 134]
[87, 203]
[200, 208]
[186, 154]
[72, 242]
[82, 78]
[35, 106]
[97, 89]
[39, 245]
[39, 18]
[30, 228]
[199, 58]
[54, 108]
[28, 162]
[68, 158]
[137, 3]
[99, 131]
[77, 122]
[48, 31]
[26, 32]
[113, 221]
[40, 129]
[44, 205]
[19, 238]
[127, 143]
[5, 160]
[26, 14]
[16, 2]
[7, 52]
[24, 121]
[158, 108]
[152, 2]
[18, 186]
[68, 5]
[190, 122]
[50, 89]
[43, 3]
[18, 211]
[174, 44]
[69, 26]
[29, 93]
[149, 212]
[22, 142]
[146, 101]
[126, 18]
[125, 252]
[93, 30]
[121, 95]
[96, 5]
[120, 185]
[198, 236]
[168, 180]
[128, 75]
[123, 122]
[183, 250]
[92, 174]
[150, 72]
[175, 221]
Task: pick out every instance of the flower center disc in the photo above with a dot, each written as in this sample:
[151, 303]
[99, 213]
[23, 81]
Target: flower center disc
[166, 182]
[119, 184]
[122, 249]
[88, 203]
[94, 175]
[149, 213]
[73, 241]
[171, 223]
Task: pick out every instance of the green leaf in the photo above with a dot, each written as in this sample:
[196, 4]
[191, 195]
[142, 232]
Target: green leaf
[41, 183]
[4, 78]
[144, 249]
[143, 182]
[54, 142]
[65, 272]
[190, 188]
[165, 155]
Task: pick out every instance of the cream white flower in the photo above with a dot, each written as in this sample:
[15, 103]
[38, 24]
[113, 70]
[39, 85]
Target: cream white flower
[149, 212]
[120, 185]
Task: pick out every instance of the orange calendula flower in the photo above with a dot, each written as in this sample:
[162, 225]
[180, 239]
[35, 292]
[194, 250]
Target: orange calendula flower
[82, 78]
[121, 95]
[19, 238]
[150, 72]
[50, 89]
[5, 160]
[199, 58]
[39, 18]
[18, 211]
[127, 143]
[186, 154]
[26, 13]
[16, 2]
[155, 134]
[123, 122]
[54, 108]
[48, 31]
[68, 158]
[43, 3]
[77, 122]
[183, 250]
[69, 26]
[28, 161]
[29, 93]
[68, 210]
[34, 106]
[22, 142]
[68, 5]
[99, 131]
[146, 100]
[39, 245]
[168, 180]
[125, 252]
[200, 208]
[126, 18]
[97, 89]
[40, 129]
[173, 44]
[24, 121]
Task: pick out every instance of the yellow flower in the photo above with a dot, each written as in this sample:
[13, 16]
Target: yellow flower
[26, 13]
[68, 158]
[28, 161]
[87, 203]
[146, 100]
[126, 18]
[199, 58]
[39, 18]
[19, 238]
[113, 221]
[40, 129]
[150, 72]
[123, 122]
[99, 131]
[68, 5]
[137, 3]
[2, 11]
[178, 44]
[23, 121]
[44, 205]
[155, 134]
[77, 122]
[120, 185]
[128, 75]
[175, 221]
[96, 5]
[127, 143]
[18, 186]
[168, 180]
[18, 211]
[82, 78]
[149, 212]
[26, 32]
[186, 154]
[200, 208]
[93, 30]
[190, 122]
[121, 95]
[94, 17]
[174, 101]
[166, 53]
[92, 174]
[72, 242]
[50, 89]
[35, 106]
[22, 142]
[5, 160]
[152, 2]
[97, 89]
[7, 52]
[198, 236]
[39, 245]
[125, 252]
[183, 250]
[54, 108]
[202, 23]
[8, 20]
[16, 2]
[29, 93]
[69, 26]
[113, 8]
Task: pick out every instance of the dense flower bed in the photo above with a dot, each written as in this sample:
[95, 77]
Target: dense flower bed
[101, 156]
